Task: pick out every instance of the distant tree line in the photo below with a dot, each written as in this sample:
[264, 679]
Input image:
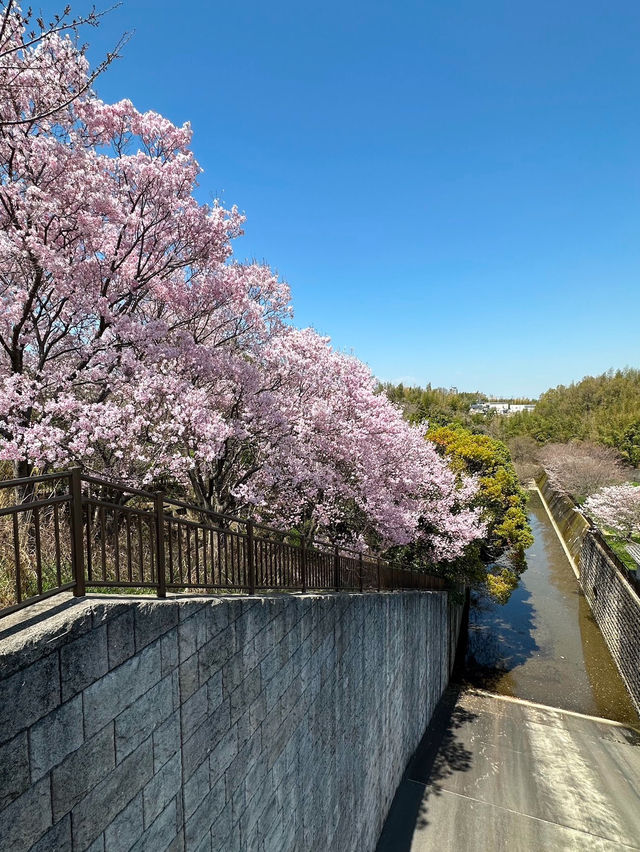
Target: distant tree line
[600, 409]
[441, 407]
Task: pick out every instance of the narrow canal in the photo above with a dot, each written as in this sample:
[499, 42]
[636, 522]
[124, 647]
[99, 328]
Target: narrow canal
[544, 645]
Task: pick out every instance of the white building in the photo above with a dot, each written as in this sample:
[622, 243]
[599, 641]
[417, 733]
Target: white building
[501, 407]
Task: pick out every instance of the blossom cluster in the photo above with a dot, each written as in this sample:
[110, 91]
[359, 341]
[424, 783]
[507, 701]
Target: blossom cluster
[616, 507]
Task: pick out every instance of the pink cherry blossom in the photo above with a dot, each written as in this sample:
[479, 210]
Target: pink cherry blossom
[616, 507]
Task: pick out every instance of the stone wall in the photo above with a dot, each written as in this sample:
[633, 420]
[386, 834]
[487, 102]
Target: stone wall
[275, 723]
[613, 600]
[572, 525]
[616, 609]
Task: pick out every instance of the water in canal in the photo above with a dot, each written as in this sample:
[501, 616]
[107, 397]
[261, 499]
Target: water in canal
[544, 645]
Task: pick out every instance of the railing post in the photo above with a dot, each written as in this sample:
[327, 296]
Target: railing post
[160, 554]
[77, 537]
[251, 562]
[361, 572]
[336, 568]
[303, 567]
[378, 566]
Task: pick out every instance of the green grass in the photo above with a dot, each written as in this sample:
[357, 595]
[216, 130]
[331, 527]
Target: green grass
[618, 546]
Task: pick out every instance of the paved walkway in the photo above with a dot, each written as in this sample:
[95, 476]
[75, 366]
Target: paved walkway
[495, 773]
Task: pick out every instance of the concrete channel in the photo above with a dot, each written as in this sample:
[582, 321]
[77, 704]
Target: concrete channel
[537, 747]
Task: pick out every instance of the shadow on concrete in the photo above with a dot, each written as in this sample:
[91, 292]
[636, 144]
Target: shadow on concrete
[438, 756]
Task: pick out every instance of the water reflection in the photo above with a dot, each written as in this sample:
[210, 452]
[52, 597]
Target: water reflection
[544, 644]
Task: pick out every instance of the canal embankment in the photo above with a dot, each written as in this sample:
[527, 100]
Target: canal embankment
[539, 747]
[545, 645]
[612, 598]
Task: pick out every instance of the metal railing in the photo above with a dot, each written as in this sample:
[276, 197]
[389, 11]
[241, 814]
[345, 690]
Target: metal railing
[69, 530]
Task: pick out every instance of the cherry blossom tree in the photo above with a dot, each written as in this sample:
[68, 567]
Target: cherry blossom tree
[580, 468]
[350, 460]
[616, 507]
[132, 342]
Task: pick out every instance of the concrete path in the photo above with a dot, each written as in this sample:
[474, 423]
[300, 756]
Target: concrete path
[495, 773]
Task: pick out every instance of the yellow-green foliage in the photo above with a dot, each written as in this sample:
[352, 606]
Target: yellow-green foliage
[501, 585]
[500, 496]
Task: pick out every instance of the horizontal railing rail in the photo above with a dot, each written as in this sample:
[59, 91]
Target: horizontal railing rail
[74, 531]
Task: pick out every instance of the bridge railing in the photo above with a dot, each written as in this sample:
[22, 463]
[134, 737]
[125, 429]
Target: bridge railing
[71, 531]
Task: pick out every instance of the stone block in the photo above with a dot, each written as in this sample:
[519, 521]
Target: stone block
[270, 665]
[162, 788]
[83, 661]
[244, 631]
[121, 640]
[224, 837]
[200, 822]
[223, 754]
[215, 695]
[98, 845]
[237, 800]
[244, 763]
[55, 736]
[126, 827]
[108, 697]
[56, 839]
[166, 740]
[258, 711]
[193, 711]
[27, 818]
[188, 677]
[246, 693]
[196, 788]
[214, 654]
[233, 673]
[153, 619]
[202, 742]
[169, 650]
[14, 769]
[263, 800]
[216, 618]
[252, 654]
[81, 771]
[91, 816]
[205, 843]
[189, 606]
[192, 634]
[161, 835]
[271, 824]
[28, 695]
[177, 844]
[141, 719]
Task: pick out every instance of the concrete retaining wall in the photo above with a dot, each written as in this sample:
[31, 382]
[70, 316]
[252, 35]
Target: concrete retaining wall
[573, 526]
[613, 600]
[275, 723]
[616, 609]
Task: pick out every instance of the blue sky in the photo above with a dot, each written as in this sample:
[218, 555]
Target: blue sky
[450, 189]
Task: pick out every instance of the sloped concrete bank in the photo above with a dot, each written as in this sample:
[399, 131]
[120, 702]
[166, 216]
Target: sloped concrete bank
[613, 600]
[276, 723]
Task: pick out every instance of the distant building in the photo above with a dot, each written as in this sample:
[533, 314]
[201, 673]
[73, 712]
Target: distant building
[502, 407]
[518, 406]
